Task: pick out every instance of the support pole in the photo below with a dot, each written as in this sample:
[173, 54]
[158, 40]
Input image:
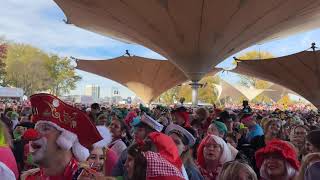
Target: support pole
[195, 86]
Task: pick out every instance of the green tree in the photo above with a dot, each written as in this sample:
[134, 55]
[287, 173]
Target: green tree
[63, 77]
[262, 98]
[285, 101]
[3, 55]
[170, 96]
[26, 68]
[208, 92]
[33, 70]
[185, 91]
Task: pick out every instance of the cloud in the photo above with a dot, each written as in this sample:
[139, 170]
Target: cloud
[39, 22]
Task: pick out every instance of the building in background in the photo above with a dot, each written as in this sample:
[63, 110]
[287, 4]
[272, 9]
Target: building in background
[93, 91]
[85, 100]
[116, 99]
[115, 91]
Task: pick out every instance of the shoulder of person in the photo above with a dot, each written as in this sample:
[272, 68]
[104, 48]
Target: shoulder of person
[30, 172]
[120, 144]
[6, 172]
[193, 172]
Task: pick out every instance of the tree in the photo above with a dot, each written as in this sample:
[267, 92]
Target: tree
[208, 92]
[170, 96]
[25, 67]
[285, 101]
[3, 55]
[252, 81]
[185, 91]
[63, 77]
[33, 70]
[262, 98]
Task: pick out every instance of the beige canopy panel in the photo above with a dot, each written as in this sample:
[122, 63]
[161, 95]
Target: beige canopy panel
[226, 90]
[236, 91]
[148, 78]
[275, 92]
[249, 93]
[299, 72]
[195, 35]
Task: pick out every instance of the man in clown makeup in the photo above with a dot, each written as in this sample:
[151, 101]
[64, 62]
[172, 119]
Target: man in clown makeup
[63, 136]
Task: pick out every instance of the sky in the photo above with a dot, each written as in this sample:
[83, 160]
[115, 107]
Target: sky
[40, 23]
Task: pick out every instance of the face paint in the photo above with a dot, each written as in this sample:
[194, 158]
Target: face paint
[38, 149]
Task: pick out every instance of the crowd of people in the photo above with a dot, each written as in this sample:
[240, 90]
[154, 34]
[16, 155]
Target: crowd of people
[49, 139]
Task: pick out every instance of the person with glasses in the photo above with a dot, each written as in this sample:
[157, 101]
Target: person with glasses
[213, 152]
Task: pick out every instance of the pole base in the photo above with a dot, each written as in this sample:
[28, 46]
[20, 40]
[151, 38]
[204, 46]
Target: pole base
[195, 85]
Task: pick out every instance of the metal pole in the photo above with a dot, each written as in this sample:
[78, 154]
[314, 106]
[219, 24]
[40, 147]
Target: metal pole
[195, 86]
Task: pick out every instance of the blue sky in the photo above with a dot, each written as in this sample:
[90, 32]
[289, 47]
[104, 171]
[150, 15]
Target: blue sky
[40, 23]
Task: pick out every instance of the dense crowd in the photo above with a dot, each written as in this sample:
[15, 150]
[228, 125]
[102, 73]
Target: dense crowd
[160, 142]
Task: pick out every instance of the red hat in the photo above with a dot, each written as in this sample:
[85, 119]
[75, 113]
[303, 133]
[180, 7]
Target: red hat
[166, 147]
[129, 117]
[78, 132]
[217, 111]
[185, 116]
[279, 147]
[246, 119]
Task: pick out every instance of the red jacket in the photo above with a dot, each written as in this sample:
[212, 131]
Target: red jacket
[70, 172]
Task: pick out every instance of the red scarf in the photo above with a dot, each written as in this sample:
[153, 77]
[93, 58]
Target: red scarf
[209, 175]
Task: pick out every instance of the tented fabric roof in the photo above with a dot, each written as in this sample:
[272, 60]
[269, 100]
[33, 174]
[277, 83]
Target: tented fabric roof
[249, 93]
[196, 34]
[226, 90]
[275, 92]
[145, 77]
[298, 72]
[236, 91]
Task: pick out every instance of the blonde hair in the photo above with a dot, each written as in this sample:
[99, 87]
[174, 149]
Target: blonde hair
[290, 171]
[230, 170]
